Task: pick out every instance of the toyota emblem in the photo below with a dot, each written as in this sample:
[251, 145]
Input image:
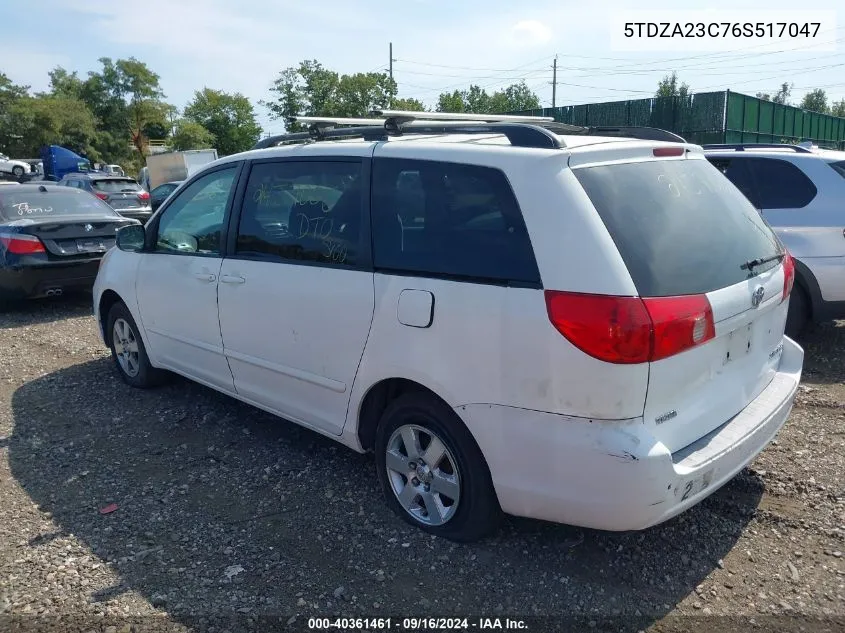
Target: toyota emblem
[757, 297]
[89, 227]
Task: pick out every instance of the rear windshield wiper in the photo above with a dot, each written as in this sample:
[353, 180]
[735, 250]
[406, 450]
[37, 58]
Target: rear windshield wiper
[753, 263]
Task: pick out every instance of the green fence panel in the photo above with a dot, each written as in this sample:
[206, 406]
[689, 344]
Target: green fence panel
[709, 117]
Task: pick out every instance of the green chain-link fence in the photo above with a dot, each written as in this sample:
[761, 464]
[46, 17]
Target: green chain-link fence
[710, 117]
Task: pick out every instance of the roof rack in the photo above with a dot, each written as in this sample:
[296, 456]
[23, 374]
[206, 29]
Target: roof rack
[741, 147]
[521, 131]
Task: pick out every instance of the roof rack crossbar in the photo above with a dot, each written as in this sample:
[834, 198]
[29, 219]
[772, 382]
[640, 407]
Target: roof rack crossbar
[741, 147]
[521, 131]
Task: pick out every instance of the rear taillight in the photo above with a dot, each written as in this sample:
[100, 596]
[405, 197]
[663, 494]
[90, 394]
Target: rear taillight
[788, 275]
[101, 195]
[19, 244]
[143, 196]
[629, 330]
[668, 151]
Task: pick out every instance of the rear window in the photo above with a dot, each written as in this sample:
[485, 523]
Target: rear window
[15, 205]
[680, 226]
[115, 185]
[839, 167]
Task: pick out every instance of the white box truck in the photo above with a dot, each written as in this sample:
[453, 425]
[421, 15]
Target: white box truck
[170, 166]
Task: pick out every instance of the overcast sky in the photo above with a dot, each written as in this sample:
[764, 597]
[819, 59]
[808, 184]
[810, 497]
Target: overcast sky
[438, 45]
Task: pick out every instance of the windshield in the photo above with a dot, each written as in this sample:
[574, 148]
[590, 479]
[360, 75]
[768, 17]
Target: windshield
[115, 185]
[680, 226]
[15, 205]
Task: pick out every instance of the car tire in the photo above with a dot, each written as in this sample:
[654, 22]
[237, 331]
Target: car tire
[128, 351]
[18, 171]
[450, 496]
[798, 315]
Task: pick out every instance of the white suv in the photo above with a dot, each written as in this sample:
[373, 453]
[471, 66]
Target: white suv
[576, 328]
[801, 193]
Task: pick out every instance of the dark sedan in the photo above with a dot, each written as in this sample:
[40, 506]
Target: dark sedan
[52, 239]
[161, 193]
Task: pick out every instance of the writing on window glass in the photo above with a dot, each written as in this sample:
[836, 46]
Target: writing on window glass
[23, 208]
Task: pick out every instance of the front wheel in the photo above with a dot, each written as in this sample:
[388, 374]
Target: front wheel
[18, 171]
[128, 351]
[432, 472]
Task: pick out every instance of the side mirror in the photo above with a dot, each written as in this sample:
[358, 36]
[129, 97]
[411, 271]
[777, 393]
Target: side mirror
[131, 238]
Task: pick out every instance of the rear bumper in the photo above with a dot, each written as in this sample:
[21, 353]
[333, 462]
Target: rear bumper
[614, 475]
[21, 282]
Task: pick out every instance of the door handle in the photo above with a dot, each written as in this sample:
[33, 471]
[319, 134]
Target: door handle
[207, 277]
[232, 279]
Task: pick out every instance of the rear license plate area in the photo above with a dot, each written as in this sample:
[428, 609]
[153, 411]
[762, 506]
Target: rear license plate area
[740, 343]
[91, 246]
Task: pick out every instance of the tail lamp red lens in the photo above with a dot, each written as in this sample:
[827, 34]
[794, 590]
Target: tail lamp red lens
[668, 151]
[19, 244]
[143, 196]
[101, 195]
[630, 330]
[788, 275]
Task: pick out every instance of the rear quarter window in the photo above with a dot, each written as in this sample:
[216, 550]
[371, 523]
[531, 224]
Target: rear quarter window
[839, 167]
[780, 184]
[447, 219]
[680, 226]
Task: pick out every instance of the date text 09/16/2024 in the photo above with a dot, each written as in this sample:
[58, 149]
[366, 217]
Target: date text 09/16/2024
[415, 624]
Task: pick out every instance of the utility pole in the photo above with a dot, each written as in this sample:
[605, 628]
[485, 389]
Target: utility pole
[554, 83]
[391, 60]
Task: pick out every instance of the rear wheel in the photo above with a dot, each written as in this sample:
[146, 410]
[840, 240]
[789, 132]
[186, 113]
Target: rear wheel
[798, 316]
[432, 472]
[18, 171]
[128, 351]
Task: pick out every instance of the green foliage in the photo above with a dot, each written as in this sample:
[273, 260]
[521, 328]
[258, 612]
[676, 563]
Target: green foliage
[838, 108]
[312, 90]
[191, 135]
[669, 86]
[228, 117]
[513, 98]
[410, 105]
[815, 101]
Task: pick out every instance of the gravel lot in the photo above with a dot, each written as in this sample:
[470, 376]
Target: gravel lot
[223, 510]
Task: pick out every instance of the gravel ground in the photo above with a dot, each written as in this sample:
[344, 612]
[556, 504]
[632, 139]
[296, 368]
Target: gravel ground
[222, 510]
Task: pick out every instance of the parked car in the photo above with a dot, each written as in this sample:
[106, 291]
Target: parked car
[800, 191]
[574, 328]
[52, 239]
[16, 168]
[123, 194]
[160, 193]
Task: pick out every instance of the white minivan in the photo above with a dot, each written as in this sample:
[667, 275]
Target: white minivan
[516, 317]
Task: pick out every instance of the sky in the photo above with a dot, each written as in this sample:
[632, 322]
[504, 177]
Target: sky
[437, 45]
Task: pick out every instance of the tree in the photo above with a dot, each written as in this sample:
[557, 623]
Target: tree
[126, 98]
[515, 97]
[48, 120]
[230, 118]
[815, 101]
[783, 94]
[838, 108]
[191, 135]
[310, 89]
[670, 87]
[411, 105]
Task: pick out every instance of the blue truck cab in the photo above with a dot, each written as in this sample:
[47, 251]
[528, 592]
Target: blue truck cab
[59, 161]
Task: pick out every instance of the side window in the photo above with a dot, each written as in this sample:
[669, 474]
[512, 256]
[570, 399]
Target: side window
[441, 218]
[735, 170]
[781, 185]
[307, 211]
[193, 223]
